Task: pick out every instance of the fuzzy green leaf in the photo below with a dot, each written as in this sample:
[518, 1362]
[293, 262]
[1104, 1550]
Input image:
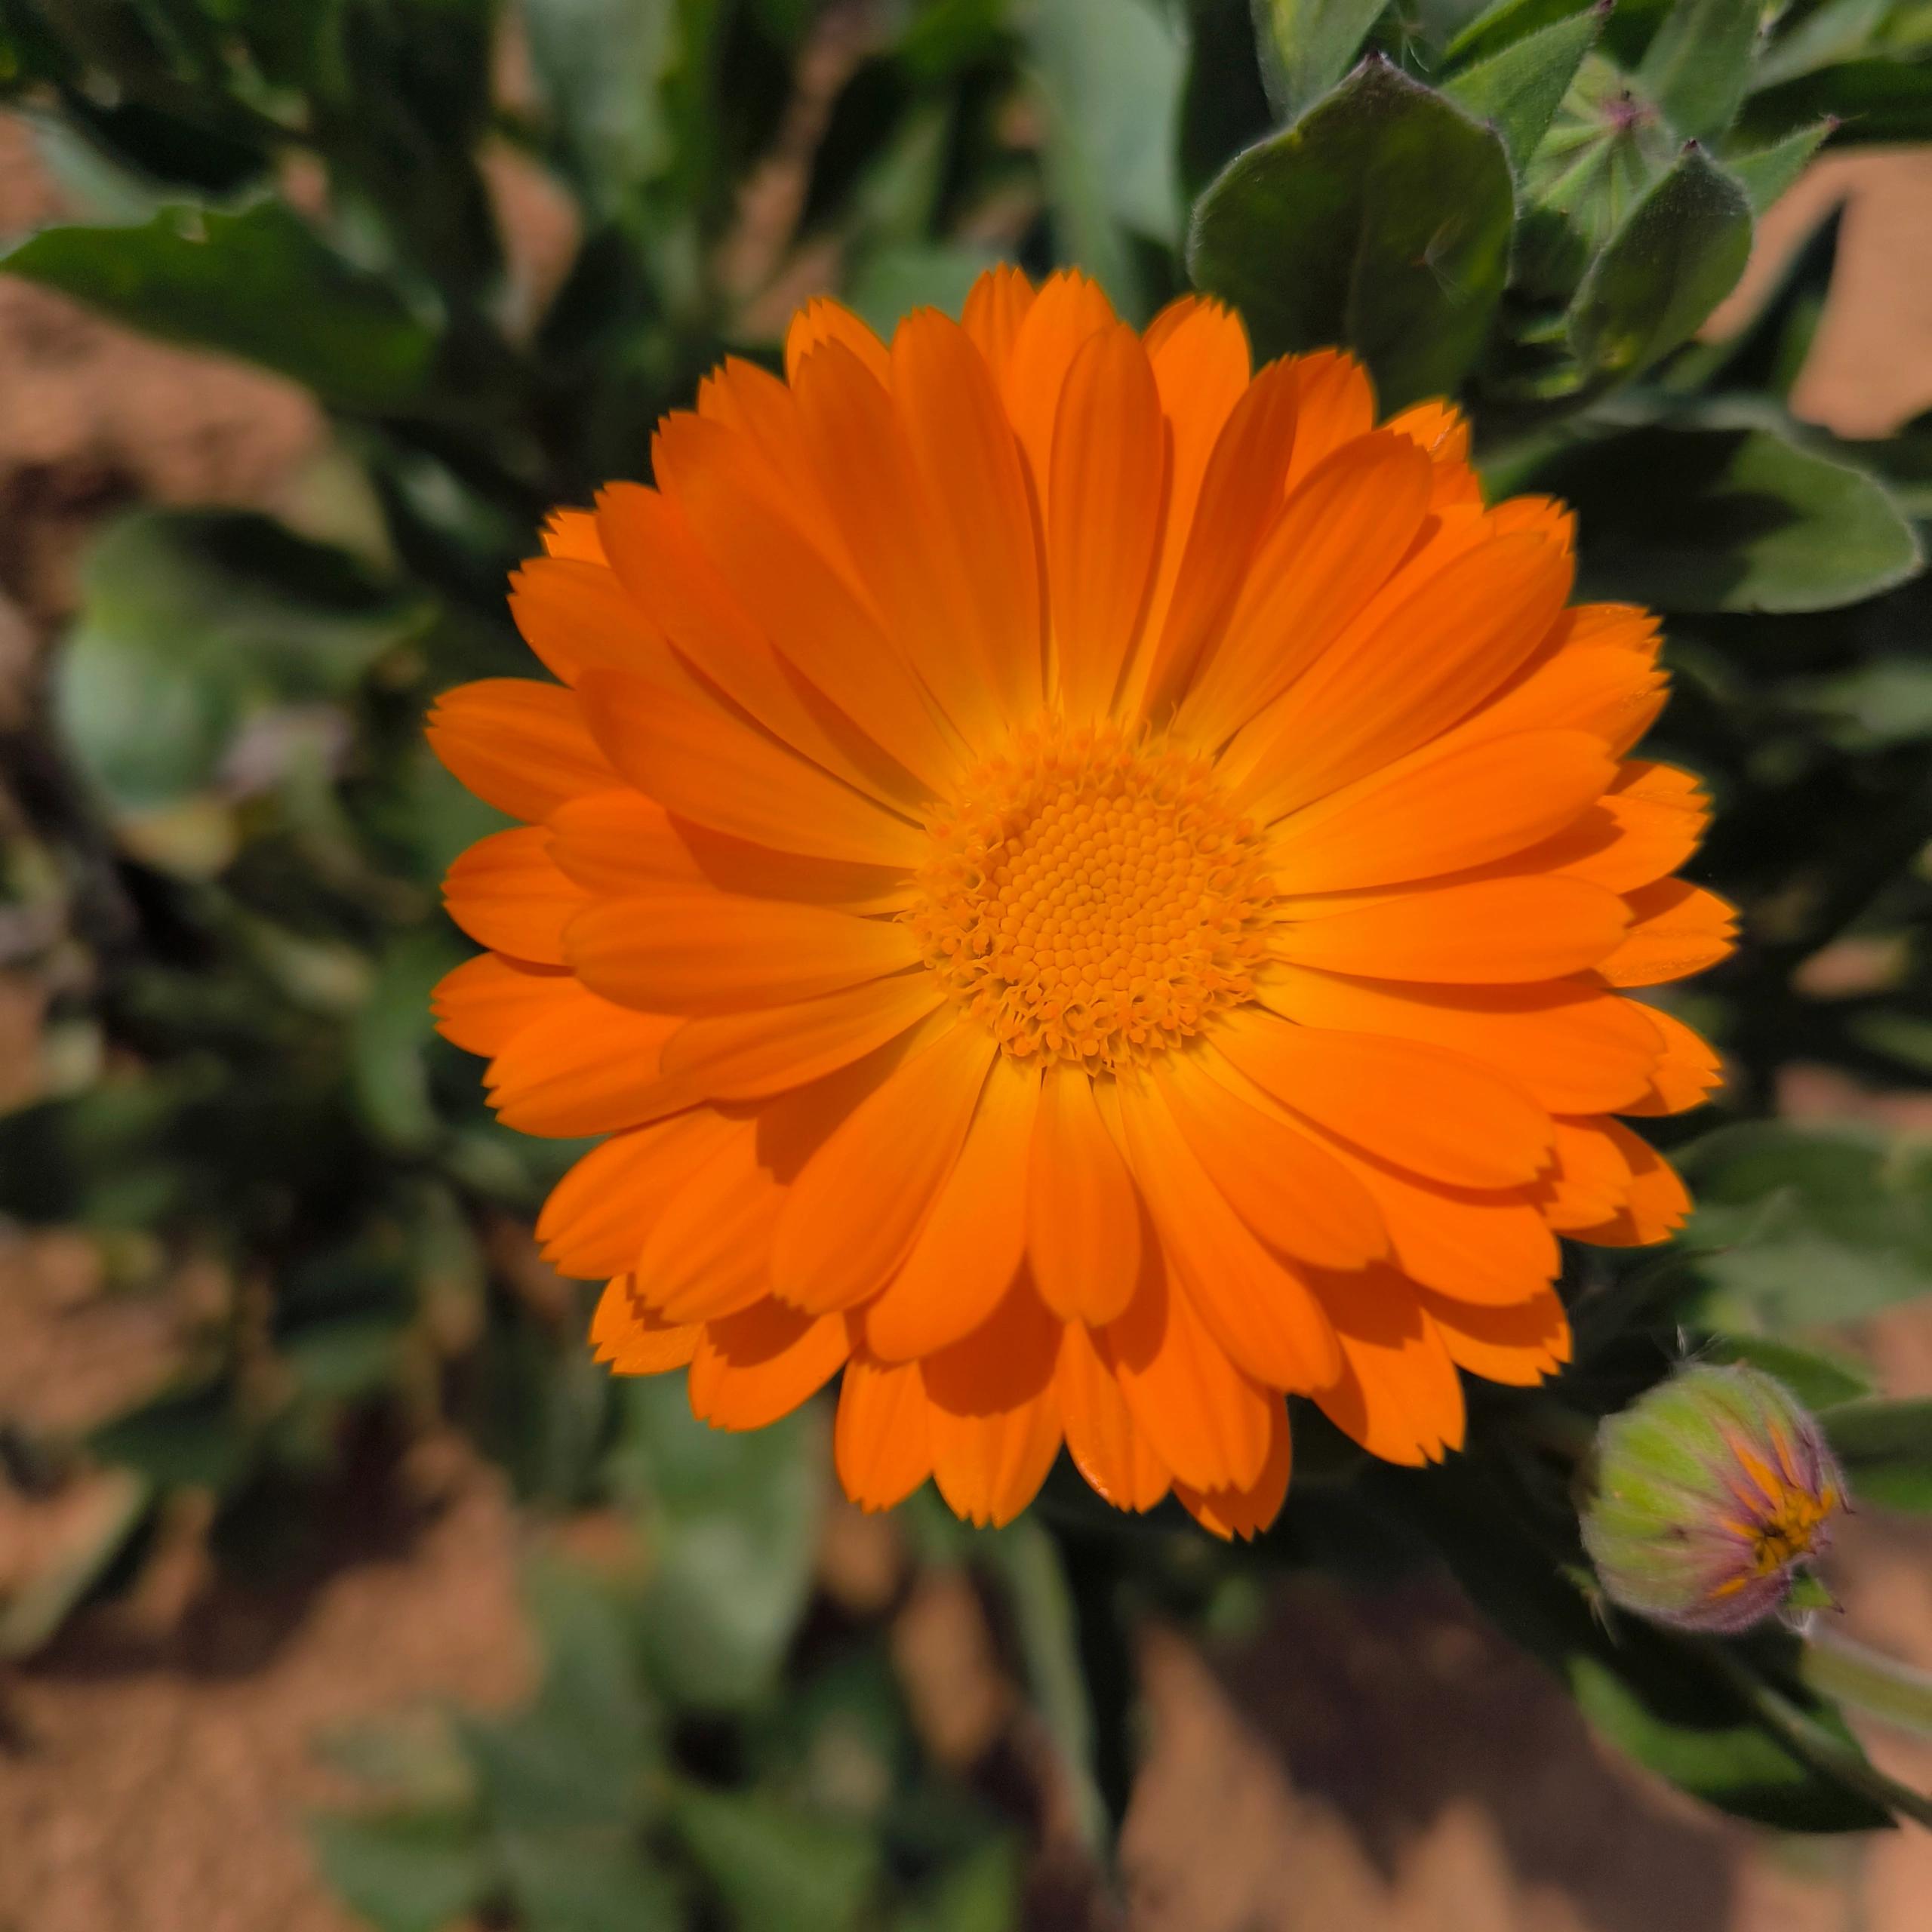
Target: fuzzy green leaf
[1699, 65]
[1380, 221]
[1306, 46]
[1518, 90]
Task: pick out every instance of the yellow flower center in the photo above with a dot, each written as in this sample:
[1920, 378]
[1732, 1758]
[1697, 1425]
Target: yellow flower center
[1091, 896]
[1789, 1530]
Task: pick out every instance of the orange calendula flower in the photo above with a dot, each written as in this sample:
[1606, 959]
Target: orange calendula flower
[1089, 887]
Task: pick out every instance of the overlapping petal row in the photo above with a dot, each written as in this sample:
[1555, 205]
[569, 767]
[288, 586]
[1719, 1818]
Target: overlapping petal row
[1090, 887]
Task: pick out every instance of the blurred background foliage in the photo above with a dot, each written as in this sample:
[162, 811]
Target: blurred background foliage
[230, 834]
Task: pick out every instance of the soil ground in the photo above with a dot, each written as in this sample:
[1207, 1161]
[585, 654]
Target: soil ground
[1358, 1766]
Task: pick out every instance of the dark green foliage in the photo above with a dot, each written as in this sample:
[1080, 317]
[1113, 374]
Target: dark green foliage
[1533, 207]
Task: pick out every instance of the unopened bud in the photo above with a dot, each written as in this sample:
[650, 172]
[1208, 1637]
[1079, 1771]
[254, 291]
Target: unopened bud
[1712, 1493]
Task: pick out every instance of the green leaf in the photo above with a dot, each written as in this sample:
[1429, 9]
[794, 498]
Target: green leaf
[1799, 1226]
[261, 284]
[1109, 74]
[390, 1036]
[1766, 174]
[191, 621]
[1502, 25]
[602, 66]
[1307, 45]
[96, 1518]
[1517, 90]
[1817, 1380]
[1707, 518]
[190, 1437]
[1872, 101]
[1806, 40]
[410, 1871]
[891, 282]
[776, 1870]
[732, 1526]
[1697, 67]
[1380, 221]
[1679, 255]
[588, 1881]
[981, 1894]
[1662, 1698]
[1886, 1448]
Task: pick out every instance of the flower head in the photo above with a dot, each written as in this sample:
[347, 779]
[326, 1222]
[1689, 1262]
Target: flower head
[1711, 1493]
[1089, 887]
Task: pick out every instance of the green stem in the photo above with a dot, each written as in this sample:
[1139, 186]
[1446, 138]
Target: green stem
[1897, 1694]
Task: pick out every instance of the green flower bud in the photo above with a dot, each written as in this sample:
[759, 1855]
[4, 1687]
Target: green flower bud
[1711, 1492]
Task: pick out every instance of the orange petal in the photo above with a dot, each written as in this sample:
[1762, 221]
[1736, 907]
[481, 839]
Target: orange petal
[519, 746]
[1659, 814]
[506, 893]
[1656, 1204]
[1686, 1076]
[858, 1202]
[632, 1339]
[1336, 541]
[1069, 309]
[574, 614]
[1614, 694]
[1106, 1447]
[1588, 1180]
[663, 567]
[585, 1067]
[989, 1468]
[822, 320]
[1256, 1306]
[1236, 502]
[486, 1001]
[882, 1444]
[597, 1216]
[573, 533]
[968, 1253]
[1520, 1344]
[973, 490]
[1398, 1395]
[1297, 1197]
[1422, 655]
[745, 1056]
[996, 305]
[704, 952]
[1437, 812]
[723, 774]
[1571, 1046]
[1439, 1114]
[1676, 928]
[1109, 463]
[1206, 1420]
[1246, 1512]
[752, 1368]
[1336, 405]
[1499, 931]
[708, 1253]
[862, 458]
[1083, 1233]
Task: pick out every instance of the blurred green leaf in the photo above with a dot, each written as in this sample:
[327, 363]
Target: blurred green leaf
[1808, 38]
[1817, 1380]
[1699, 65]
[1871, 101]
[1502, 25]
[601, 65]
[96, 1519]
[582, 1881]
[1798, 1226]
[191, 621]
[1109, 74]
[392, 1030]
[1380, 221]
[892, 282]
[1517, 90]
[776, 1870]
[410, 1871]
[260, 284]
[1679, 255]
[981, 1894]
[1765, 173]
[1308, 45]
[1709, 517]
[190, 1437]
[1886, 1448]
[1769, 352]
[733, 1529]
